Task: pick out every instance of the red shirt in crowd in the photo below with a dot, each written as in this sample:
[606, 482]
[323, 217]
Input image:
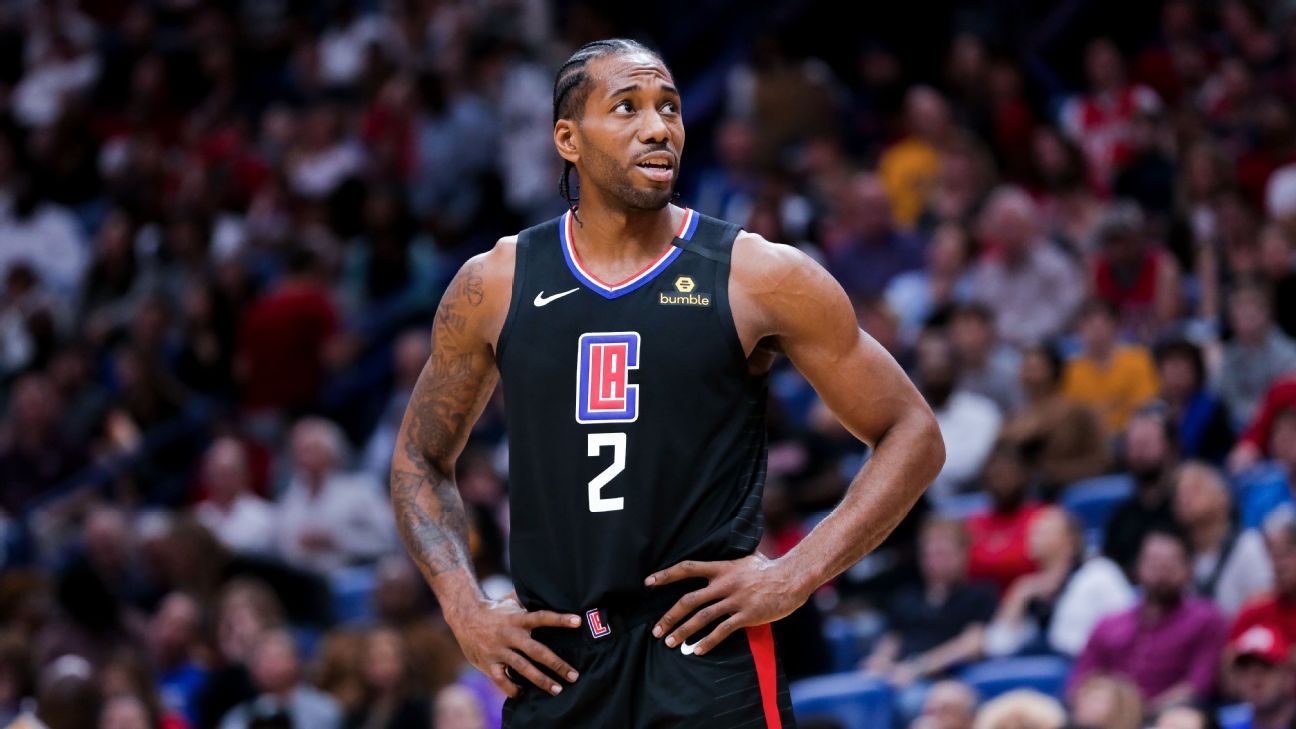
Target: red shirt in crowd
[998, 551]
[1269, 610]
[281, 346]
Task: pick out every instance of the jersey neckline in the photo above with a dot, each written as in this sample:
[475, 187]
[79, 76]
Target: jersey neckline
[611, 291]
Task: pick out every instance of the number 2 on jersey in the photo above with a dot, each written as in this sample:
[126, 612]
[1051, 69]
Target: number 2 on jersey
[596, 443]
[604, 394]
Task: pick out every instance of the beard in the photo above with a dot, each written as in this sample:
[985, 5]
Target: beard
[614, 180]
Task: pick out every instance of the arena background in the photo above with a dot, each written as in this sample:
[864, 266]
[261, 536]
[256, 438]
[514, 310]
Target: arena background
[225, 227]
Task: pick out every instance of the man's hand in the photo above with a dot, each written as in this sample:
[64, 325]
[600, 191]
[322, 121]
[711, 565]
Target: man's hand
[498, 635]
[752, 591]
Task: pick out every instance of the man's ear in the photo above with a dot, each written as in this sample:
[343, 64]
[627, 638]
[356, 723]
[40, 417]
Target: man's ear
[565, 140]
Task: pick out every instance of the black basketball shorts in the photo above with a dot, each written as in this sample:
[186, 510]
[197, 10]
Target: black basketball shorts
[631, 680]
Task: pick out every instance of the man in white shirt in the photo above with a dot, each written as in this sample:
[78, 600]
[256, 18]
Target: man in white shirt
[243, 521]
[329, 518]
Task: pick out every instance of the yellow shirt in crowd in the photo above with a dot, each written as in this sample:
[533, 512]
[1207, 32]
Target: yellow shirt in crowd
[1115, 388]
[909, 169]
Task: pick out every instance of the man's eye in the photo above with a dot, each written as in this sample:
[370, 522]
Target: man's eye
[623, 105]
[670, 106]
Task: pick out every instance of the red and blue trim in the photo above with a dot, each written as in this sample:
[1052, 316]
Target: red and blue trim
[646, 274]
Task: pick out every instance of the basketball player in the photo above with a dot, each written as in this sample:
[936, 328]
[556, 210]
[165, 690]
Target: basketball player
[633, 338]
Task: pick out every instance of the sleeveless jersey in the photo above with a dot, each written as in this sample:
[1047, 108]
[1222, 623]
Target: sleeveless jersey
[636, 433]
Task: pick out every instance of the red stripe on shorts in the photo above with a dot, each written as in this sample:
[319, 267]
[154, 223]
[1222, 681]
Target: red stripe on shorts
[761, 640]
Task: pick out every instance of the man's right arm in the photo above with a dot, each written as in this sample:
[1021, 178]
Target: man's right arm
[453, 388]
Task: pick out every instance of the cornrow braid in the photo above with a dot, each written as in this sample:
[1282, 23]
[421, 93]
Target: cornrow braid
[572, 88]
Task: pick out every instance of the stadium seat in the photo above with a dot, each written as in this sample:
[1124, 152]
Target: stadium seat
[850, 639]
[351, 588]
[1093, 500]
[1046, 674]
[961, 506]
[1235, 716]
[853, 699]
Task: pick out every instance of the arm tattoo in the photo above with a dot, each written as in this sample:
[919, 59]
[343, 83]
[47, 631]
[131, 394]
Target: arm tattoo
[449, 394]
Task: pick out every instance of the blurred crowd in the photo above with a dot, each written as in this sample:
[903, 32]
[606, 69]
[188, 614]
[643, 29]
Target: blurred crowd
[225, 226]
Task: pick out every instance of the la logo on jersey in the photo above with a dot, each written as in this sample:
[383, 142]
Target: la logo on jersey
[603, 390]
[597, 628]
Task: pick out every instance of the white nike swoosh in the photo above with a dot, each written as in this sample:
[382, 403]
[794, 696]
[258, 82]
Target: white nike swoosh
[687, 649]
[540, 299]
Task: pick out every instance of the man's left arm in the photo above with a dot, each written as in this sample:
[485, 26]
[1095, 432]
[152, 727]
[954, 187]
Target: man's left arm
[779, 293]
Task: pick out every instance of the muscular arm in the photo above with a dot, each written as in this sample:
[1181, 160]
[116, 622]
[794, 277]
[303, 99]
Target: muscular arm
[780, 297]
[781, 293]
[449, 396]
[454, 386]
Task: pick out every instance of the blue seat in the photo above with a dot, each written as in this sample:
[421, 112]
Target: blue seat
[850, 639]
[852, 699]
[1235, 716]
[351, 588]
[1094, 499]
[1046, 674]
[961, 506]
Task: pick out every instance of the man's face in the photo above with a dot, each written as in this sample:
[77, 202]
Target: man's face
[1146, 447]
[1282, 442]
[942, 557]
[1162, 569]
[1262, 684]
[631, 134]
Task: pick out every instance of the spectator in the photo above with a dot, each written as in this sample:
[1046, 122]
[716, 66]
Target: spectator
[1137, 279]
[968, 422]
[949, 705]
[329, 518]
[1278, 261]
[999, 552]
[1262, 676]
[1115, 379]
[284, 339]
[1277, 609]
[1169, 643]
[67, 698]
[1055, 608]
[1257, 356]
[240, 519]
[1269, 487]
[1107, 702]
[1031, 287]
[390, 701]
[864, 249]
[989, 367]
[1100, 119]
[938, 625]
[1254, 442]
[916, 296]
[35, 457]
[1230, 566]
[1150, 460]
[910, 168]
[173, 640]
[1021, 709]
[245, 610]
[1065, 439]
[1201, 420]
[277, 673]
[127, 676]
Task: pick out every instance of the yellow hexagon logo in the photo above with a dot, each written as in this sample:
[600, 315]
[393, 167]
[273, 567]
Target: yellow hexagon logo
[684, 284]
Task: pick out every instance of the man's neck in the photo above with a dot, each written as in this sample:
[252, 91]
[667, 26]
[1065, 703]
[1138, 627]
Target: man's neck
[1157, 610]
[608, 234]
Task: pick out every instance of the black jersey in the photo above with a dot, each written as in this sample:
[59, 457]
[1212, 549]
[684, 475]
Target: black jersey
[636, 432]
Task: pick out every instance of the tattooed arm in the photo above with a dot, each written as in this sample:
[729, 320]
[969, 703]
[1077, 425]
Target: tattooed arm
[449, 396]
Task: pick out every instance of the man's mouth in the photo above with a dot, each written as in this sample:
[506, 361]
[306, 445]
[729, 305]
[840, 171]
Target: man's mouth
[657, 168]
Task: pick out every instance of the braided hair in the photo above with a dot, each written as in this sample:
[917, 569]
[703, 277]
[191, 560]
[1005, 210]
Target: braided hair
[572, 87]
